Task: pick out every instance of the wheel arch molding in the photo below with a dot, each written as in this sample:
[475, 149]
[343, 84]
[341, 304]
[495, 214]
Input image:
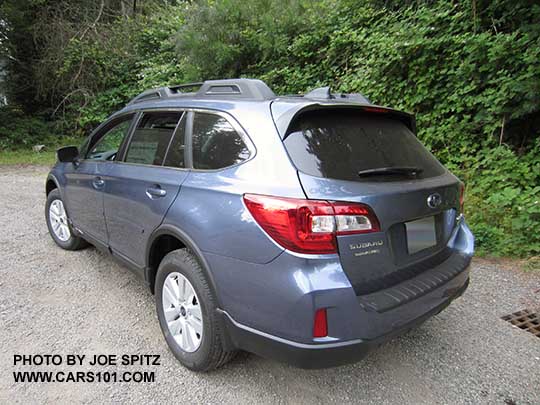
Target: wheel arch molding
[52, 180]
[186, 241]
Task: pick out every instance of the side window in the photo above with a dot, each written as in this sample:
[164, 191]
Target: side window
[175, 155]
[108, 144]
[215, 143]
[151, 138]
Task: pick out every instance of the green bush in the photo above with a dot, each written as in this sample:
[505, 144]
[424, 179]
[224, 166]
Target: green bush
[19, 131]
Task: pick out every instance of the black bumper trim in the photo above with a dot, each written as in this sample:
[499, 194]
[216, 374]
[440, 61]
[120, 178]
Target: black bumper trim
[424, 283]
[321, 355]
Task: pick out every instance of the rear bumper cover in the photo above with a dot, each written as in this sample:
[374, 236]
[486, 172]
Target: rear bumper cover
[324, 355]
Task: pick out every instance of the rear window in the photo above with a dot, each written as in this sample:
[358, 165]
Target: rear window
[357, 146]
[151, 138]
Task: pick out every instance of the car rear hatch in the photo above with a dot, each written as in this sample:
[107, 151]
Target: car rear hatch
[371, 156]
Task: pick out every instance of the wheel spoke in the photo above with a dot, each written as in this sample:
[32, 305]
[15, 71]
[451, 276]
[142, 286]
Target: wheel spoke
[174, 326]
[183, 335]
[183, 289]
[54, 207]
[175, 288]
[196, 325]
[65, 230]
[170, 313]
[195, 311]
[168, 301]
[53, 216]
[187, 330]
[194, 335]
[62, 210]
[168, 296]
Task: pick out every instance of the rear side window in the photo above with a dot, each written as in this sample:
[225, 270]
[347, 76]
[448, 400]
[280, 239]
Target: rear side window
[216, 144]
[151, 138]
[357, 146]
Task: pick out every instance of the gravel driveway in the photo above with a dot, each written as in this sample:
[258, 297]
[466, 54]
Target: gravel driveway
[53, 301]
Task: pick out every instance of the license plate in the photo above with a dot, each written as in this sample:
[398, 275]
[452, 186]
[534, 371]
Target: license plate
[420, 234]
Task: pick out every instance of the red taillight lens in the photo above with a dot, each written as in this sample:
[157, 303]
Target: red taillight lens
[297, 225]
[375, 109]
[320, 324]
[461, 198]
[309, 226]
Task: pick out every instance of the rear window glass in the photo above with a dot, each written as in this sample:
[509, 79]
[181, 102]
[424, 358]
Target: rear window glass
[356, 146]
[151, 138]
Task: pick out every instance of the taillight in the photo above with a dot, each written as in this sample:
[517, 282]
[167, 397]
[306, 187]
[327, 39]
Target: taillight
[309, 226]
[461, 198]
[320, 324]
[375, 109]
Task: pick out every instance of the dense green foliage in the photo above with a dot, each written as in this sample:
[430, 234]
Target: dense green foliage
[469, 70]
[19, 130]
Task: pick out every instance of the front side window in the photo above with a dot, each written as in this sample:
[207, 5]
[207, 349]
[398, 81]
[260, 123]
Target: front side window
[216, 144]
[151, 138]
[108, 144]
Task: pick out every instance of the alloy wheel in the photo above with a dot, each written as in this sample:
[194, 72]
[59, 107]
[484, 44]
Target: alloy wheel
[59, 220]
[182, 312]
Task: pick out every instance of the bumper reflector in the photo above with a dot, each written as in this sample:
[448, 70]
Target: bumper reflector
[320, 325]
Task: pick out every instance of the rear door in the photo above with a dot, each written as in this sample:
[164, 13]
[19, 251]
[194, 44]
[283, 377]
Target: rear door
[140, 189]
[375, 159]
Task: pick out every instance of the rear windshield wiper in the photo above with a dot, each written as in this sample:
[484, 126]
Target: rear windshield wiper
[403, 170]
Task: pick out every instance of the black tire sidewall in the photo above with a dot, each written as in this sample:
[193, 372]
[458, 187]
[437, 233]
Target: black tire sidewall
[182, 262]
[72, 242]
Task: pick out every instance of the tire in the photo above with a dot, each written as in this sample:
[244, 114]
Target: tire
[66, 238]
[207, 351]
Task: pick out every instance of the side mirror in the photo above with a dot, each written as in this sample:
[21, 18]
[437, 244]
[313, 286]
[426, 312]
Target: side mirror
[67, 154]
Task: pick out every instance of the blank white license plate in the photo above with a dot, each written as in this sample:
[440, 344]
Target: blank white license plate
[420, 234]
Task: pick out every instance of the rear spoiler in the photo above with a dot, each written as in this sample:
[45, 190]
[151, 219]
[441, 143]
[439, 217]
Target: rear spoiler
[284, 112]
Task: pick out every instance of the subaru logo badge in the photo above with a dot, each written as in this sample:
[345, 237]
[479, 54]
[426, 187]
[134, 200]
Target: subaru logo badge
[434, 200]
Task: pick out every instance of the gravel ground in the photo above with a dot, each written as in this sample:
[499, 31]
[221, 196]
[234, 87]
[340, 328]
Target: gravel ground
[53, 301]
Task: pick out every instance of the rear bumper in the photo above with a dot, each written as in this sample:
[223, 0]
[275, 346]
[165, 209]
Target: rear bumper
[321, 355]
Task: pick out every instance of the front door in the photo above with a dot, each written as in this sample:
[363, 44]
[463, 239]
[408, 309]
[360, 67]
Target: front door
[86, 178]
[140, 189]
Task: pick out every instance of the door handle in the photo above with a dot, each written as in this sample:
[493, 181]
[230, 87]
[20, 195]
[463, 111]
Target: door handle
[98, 182]
[155, 192]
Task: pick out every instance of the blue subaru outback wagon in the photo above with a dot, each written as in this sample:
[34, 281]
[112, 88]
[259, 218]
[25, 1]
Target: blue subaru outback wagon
[307, 229]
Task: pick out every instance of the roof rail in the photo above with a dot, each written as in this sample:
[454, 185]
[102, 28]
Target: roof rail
[251, 89]
[324, 93]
